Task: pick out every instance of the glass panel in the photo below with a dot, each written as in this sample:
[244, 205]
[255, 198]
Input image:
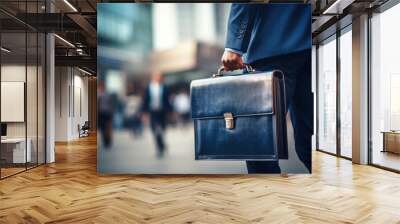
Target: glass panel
[346, 94]
[31, 98]
[13, 87]
[385, 84]
[23, 89]
[41, 98]
[327, 96]
[314, 90]
[31, 87]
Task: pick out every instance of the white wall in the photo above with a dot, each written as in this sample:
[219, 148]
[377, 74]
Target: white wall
[33, 126]
[80, 100]
[12, 73]
[62, 81]
[71, 94]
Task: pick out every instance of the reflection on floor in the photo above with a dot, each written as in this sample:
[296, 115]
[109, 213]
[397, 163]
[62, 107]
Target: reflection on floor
[71, 191]
[10, 171]
[386, 159]
[131, 154]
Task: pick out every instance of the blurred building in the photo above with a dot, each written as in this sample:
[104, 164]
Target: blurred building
[127, 26]
[185, 49]
[136, 40]
[202, 22]
[125, 36]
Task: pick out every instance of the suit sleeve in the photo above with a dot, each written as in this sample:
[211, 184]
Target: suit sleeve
[240, 25]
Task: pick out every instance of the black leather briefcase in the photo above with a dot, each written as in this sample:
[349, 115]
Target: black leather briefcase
[240, 116]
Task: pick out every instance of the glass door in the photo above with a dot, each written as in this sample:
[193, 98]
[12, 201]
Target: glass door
[326, 104]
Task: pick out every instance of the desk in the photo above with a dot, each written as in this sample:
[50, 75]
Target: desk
[391, 141]
[13, 150]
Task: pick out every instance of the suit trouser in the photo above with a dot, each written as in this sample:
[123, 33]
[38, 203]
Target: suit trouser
[299, 100]
[105, 127]
[158, 124]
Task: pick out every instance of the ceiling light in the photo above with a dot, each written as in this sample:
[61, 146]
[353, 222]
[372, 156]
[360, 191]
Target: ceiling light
[84, 71]
[337, 7]
[70, 5]
[5, 50]
[65, 41]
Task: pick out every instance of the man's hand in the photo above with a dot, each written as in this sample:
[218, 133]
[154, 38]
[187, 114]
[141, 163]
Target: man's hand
[232, 61]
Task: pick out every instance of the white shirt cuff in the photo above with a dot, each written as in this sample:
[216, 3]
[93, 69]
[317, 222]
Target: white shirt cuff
[234, 51]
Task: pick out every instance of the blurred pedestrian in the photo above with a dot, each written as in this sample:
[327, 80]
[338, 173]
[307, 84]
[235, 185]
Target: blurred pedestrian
[105, 112]
[156, 105]
[133, 113]
[182, 106]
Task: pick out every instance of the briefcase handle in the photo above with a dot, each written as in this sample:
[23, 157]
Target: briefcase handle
[247, 69]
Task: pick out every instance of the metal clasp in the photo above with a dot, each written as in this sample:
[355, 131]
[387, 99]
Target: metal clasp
[229, 122]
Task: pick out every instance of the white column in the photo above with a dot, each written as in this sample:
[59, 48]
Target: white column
[360, 90]
[50, 92]
[50, 99]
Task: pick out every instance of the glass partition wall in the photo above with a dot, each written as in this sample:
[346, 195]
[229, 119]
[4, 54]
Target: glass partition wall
[334, 94]
[385, 89]
[14, 153]
[22, 107]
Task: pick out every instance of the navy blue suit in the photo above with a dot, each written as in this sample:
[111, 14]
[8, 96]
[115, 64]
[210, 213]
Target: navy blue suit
[165, 104]
[278, 36]
[158, 118]
[262, 31]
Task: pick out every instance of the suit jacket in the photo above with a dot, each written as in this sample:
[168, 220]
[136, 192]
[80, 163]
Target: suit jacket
[260, 31]
[165, 104]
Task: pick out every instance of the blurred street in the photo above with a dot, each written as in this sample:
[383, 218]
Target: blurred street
[146, 64]
[138, 155]
[131, 154]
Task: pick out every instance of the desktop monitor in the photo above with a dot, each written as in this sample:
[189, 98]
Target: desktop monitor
[3, 129]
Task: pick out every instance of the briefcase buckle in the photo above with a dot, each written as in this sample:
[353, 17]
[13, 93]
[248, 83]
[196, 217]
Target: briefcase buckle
[229, 122]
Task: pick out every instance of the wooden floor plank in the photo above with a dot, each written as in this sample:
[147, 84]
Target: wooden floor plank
[70, 191]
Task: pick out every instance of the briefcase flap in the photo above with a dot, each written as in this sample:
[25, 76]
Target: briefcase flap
[242, 95]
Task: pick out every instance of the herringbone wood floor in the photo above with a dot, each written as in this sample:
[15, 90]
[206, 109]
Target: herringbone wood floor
[70, 191]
